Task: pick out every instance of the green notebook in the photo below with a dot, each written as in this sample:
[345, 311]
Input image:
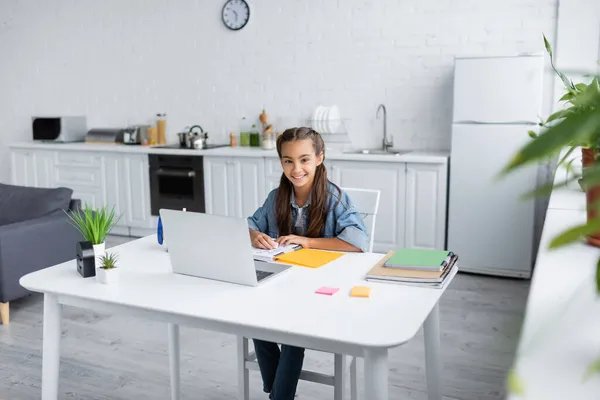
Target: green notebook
[419, 259]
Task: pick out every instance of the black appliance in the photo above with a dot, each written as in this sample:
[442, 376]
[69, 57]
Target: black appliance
[86, 262]
[176, 182]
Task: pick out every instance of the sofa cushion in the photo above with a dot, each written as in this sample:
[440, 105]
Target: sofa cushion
[20, 203]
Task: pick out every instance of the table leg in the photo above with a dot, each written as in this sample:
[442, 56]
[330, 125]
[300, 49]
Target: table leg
[174, 361]
[376, 374]
[431, 331]
[51, 347]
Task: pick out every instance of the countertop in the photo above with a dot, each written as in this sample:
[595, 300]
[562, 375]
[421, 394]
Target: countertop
[561, 331]
[432, 157]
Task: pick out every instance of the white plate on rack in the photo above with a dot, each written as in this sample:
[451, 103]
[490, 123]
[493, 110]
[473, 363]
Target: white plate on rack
[333, 119]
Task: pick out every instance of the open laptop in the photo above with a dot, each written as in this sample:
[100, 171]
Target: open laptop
[214, 247]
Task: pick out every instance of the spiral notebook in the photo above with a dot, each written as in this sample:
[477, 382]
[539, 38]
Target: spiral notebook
[270, 255]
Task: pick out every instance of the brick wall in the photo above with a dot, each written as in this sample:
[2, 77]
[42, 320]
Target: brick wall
[119, 62]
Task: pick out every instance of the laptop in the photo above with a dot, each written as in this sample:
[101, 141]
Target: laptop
[214, 247]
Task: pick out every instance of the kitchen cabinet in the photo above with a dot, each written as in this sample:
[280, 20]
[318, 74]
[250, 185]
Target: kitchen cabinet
[412, 209]
[23, 168]
[116, 180]
[126, 187]
[233, 186]
[390, 179]
[426, 199]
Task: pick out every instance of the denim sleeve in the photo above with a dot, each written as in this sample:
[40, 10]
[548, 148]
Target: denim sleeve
[350, 226]
[259, 221]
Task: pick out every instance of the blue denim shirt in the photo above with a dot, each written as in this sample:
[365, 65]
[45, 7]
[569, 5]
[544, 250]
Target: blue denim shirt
[342, 221]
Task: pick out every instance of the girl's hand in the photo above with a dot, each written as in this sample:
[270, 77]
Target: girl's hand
[293, 239]
[262, 241]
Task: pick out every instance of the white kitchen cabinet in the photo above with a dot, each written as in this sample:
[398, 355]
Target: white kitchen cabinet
[137, 190]
[233, 187]
[44, 168]
[249, 189]
[273, 173]
[218, 185]
[389, 178]
[22, 166]
[126, 187]
[426, 198]
[113, 189]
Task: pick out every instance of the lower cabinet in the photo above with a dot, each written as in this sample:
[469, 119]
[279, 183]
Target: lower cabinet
[118, 180]
[233, 186]
[390, 179]
[412, 208]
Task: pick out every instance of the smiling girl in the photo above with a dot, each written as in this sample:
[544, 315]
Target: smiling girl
[306, 209]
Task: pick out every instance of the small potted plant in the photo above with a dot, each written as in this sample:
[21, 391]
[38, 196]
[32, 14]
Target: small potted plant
[107, 272]
[94, 225]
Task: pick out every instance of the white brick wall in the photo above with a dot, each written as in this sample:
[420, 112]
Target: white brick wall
[120, 62]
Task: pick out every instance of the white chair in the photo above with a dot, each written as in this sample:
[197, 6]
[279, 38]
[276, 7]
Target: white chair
[366, 202]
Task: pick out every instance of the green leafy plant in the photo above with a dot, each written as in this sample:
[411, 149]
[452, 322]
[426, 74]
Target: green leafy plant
[108, 260]
[93, 224]
[577, 125]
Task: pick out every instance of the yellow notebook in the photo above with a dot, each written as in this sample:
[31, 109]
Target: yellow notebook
[310, 258]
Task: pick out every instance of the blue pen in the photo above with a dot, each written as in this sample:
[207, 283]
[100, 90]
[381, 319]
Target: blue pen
[159, 233]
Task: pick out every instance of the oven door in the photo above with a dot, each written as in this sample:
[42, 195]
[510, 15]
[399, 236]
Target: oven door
[176, 188]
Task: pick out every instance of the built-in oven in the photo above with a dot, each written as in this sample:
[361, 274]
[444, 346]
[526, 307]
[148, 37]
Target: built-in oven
[176, 182]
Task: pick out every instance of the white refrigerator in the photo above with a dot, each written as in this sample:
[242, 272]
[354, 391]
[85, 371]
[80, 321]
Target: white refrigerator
[496, 100]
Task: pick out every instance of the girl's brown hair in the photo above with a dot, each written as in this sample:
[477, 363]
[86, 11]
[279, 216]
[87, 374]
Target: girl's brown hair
[319, 205]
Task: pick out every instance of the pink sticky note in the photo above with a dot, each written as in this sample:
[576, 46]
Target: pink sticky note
[329, 291]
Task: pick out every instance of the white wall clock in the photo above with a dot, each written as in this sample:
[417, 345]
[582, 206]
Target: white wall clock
[235, 14]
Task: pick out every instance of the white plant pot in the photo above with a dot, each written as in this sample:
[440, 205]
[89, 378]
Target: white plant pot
[107, 276]
[99, 250]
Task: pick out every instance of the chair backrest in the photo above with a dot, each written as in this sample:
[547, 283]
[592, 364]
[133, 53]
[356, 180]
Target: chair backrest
[366, 202]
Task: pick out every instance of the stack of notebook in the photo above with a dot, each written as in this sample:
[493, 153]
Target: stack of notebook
[417, 267]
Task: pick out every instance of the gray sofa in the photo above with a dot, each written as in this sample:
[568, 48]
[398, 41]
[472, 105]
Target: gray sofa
[35, 233]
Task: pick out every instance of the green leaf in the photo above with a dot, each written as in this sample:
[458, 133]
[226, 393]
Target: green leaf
[592, 369]
[576, 128]
[532, 134]
[575, 233]
[567, 96]
[547, 188]
[559, 115]
[565, 156]
[548, 46]
[515, 383]
[581, 87]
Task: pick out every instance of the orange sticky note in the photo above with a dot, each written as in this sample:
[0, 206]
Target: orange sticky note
[360, 291]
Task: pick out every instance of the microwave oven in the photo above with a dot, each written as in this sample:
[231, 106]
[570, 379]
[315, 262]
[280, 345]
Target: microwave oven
[59, 129]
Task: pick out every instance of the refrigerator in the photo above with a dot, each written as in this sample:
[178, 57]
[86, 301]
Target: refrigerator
[496, 101]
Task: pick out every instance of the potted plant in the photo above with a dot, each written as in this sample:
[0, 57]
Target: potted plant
[576, 126]
[107, 272]
[94, 225]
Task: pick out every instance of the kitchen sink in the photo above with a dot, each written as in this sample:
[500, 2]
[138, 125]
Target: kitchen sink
[378, 152]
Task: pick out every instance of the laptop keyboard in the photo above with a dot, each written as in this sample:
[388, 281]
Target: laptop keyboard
[260, 275]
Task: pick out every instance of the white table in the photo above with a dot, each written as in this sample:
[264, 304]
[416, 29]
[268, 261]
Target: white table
[560, 337]
[338, 324]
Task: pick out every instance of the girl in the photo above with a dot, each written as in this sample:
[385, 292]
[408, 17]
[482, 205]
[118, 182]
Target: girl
[307, 209]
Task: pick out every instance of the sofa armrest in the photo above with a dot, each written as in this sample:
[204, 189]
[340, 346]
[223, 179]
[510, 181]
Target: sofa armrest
[31, 245]
[75, 205]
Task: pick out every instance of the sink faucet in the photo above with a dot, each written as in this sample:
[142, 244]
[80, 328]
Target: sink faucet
[387, 143]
